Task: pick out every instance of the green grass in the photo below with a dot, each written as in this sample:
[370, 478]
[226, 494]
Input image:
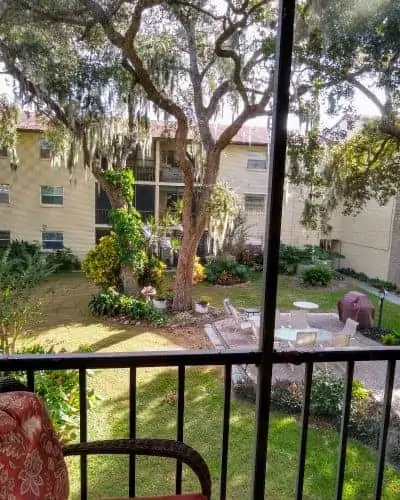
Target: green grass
[249, 295]
[66, 323]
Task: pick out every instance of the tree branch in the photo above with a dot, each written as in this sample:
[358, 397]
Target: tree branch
[368, 93]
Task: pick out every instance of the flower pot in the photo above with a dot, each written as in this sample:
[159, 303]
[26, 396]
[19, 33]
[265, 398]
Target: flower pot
[160, 303]
[201, 308]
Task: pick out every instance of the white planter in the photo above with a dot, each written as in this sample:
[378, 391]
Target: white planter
[199, 308]
[160, 304]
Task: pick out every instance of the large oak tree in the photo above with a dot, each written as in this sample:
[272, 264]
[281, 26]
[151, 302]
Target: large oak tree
[192, 61]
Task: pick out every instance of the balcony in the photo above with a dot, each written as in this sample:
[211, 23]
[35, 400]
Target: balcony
[171, 173]
[102, 216]
[226, 360]
[144, 171]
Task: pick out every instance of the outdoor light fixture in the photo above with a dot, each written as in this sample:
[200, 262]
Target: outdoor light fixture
[382, 295]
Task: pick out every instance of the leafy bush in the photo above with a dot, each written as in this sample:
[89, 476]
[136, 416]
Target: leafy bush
[287, 396]
[326, 395]
[250, 256]
[63, 260]
[392, 338]
[19, 306]
[153, 273]
[289, 258]
[199, 271]
[226, 272]
[60, 391]
[317, 275]
[18, 249]
[113, 303]
[375, 282]
[101, 264]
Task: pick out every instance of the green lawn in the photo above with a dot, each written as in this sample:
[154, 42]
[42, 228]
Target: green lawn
[249, 295]
[67, 324]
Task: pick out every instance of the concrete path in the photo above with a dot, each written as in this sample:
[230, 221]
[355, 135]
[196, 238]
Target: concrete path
[225, 335]
[390, 296]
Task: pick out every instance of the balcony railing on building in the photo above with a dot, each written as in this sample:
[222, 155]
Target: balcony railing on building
[102, 215]
[171, 173]
[228, 360]
[145, 171]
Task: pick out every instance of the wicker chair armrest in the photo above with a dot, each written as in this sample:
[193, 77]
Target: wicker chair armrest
[149, 447]
[10, 384]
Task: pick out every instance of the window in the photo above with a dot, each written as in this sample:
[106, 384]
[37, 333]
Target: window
[50, 195]
[254, 204]
[52, 240]
[3, 152]
[45, 150]
[4, 193]
[256, 161]
[168, 157]
[5, 238]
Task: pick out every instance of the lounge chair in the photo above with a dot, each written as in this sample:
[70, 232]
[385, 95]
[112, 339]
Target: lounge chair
[299, 319]
[350, 328]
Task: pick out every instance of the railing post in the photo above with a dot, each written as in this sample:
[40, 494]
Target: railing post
[276, 181]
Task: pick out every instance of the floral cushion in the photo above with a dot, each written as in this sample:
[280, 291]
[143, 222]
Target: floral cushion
[31, 461]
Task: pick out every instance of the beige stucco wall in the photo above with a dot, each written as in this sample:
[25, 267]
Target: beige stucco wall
[25, 217]
[366, 238]
[233, 170]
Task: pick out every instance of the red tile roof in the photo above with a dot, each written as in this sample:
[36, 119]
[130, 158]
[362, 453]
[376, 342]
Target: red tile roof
[246, 135]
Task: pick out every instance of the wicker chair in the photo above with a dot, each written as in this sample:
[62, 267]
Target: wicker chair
[148, 447]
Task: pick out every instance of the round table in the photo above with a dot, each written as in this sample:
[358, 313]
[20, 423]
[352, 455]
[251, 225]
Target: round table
[289, 334]
[303, 304]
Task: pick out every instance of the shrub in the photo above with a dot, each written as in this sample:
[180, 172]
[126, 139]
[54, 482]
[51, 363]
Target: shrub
[326, 395]
[60, 391]
[289, 258]
[250, 255]
[317, 275]
[101, 264]
[18, 249]
[63, 260]
[375, 282]
[226, 272]
[113, 303]
[199, 271]
[287, 396]
[391, 338]
[153, 273]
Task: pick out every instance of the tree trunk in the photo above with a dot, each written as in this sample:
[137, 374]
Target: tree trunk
[129, 280]
[184, 274]
[127, 276]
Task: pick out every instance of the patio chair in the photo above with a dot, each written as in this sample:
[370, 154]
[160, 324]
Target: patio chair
[241, 320]
[299, 319]
[350, 328]
[306, 338]
[278, 319]
[18, 407]
[340, 340]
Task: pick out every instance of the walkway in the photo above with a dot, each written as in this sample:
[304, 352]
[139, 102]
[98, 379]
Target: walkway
[390, 296]
[225, 335]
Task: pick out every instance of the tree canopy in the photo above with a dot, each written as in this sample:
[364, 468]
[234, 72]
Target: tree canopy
[344, 49]
[84, 62]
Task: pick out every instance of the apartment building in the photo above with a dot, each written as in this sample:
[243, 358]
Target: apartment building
[370, 241]
[45, 204]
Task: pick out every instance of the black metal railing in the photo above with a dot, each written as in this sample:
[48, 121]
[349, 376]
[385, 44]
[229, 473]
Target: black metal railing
[171, 173]
[145, 171]
[101, 216]
[227, 359]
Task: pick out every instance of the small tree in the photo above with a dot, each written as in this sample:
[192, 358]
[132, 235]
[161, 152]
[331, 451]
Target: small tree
[19, 307]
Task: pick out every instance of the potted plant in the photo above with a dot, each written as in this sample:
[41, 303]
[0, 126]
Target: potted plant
[202, 305]
[160, 301]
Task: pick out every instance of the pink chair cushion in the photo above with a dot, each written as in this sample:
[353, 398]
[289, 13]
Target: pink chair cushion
[31, 461]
